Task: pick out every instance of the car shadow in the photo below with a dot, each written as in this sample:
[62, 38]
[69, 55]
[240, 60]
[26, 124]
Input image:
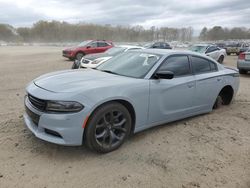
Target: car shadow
[40, 147]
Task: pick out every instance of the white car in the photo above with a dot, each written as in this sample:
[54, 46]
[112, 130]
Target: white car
[212, 51]
[93, 60]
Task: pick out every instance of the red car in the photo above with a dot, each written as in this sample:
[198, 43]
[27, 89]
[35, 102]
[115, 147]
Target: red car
[87, 47]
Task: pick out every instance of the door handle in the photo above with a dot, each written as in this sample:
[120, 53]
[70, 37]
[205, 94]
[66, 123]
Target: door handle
[218, 79]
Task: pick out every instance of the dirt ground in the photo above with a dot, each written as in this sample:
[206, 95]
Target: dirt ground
[211, 150]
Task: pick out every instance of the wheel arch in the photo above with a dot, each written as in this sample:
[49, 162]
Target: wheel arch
[126, 103]
[227, 93]
[79, 51]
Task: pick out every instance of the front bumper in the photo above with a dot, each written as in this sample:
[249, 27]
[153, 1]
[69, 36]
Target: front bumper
[63, 129]
[67, 54]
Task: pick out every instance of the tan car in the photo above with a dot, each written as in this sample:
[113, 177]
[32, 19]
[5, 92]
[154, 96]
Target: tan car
[235, 47]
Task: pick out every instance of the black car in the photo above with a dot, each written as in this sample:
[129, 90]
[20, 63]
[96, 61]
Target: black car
[158, 45]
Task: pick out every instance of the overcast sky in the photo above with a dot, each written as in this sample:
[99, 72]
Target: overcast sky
[171, 13]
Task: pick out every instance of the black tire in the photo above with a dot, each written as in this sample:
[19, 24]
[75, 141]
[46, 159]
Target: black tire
[242, 71]
[218, 102]
[108, 127]
[79, 56]
[76, 64]
[221, 59]
[228, 53]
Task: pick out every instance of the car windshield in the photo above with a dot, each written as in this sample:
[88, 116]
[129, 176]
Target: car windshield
[131, 64]
[148, 45]
[200, 49]
[84, 43]
[115, 51]
[232, 45]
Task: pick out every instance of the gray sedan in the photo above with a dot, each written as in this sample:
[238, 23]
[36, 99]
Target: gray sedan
[127, 94]
[243, 63]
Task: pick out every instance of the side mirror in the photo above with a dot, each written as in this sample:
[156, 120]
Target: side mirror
[88, 47]
[164, 75]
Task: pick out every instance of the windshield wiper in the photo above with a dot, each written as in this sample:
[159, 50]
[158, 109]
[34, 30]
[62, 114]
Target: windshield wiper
[108, 71]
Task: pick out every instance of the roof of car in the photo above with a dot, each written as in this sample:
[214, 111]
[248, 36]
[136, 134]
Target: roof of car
[129, 46]
[166, 51]
[203, 44]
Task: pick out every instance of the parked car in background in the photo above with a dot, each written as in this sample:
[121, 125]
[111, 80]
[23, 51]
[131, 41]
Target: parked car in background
[158, 45]
[243, 63]
[221, 45]
[129, 93]
[210, 50]
[87, 47]
[236, 47]
[93, 60]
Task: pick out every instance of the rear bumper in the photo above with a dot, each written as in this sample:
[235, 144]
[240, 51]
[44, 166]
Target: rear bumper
[243, 65]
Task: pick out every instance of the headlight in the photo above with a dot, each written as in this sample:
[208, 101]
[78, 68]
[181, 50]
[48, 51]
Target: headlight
[63, 106]
[97, 61]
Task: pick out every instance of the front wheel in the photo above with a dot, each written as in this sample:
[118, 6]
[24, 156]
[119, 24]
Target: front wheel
[108, 127]
[76, 64]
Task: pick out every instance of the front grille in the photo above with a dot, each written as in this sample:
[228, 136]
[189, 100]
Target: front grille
[34, 117]
[37, 103]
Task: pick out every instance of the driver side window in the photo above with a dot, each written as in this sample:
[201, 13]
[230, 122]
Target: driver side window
[211, 49]
[179, 65]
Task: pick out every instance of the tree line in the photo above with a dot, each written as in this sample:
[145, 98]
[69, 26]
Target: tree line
[55, 31]
[220, 33]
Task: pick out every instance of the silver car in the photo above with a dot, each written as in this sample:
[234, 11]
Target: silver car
[243, 63]
[127, 94]
[210, 50]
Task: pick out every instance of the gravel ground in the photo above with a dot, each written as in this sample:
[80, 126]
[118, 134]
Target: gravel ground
[211, 150]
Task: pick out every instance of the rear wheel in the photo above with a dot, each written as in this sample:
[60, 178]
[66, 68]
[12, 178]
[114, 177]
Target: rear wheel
[79, 55]
[108, 127]
[218, 103]
[221, 59]
[224, 98]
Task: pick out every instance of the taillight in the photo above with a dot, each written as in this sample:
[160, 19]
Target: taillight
[242, 56]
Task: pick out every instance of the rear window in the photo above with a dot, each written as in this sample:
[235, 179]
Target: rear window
[201, 65]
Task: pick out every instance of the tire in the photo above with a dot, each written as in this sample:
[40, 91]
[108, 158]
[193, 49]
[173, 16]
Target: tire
[218, 102]
[108, 127]
[79, 56]
[242, 71]
[221, 59]
[228, 53]
[76, 64]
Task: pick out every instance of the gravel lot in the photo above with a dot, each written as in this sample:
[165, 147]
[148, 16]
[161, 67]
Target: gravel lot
[211, 150]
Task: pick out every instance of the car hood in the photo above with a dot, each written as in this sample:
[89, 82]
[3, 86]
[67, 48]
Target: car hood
[78, 80]
[94, 56]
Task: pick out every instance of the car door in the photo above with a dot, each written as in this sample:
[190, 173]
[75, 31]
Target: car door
[172, 99]
[213, 52]
[91, 48]
[208, 82]
[101, 47]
